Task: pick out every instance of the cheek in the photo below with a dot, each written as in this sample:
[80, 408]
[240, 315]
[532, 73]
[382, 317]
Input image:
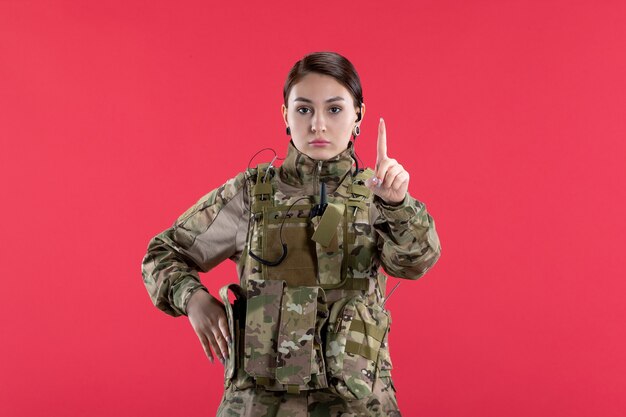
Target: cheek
[348, 119]
[299, 121]
[346, 125]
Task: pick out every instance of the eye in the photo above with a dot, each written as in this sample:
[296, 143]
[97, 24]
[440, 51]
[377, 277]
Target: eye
[303, 108]
[335, 108]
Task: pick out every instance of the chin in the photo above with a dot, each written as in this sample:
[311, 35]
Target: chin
[321, 154]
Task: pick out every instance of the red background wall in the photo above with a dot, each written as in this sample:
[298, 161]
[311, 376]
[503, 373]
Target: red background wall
[115, 117]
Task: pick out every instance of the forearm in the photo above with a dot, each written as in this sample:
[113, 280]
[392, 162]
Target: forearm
[408, 240]
[170, 281]
[202, 237]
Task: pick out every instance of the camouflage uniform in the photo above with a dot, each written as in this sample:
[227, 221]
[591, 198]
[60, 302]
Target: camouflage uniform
[309, 335]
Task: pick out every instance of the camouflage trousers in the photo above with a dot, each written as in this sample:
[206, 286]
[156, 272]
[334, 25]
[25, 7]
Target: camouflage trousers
[257, 402]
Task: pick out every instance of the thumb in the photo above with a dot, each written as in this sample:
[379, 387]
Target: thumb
[372, 183]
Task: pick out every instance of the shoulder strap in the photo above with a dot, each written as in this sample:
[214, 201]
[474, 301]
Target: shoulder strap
[359, 199]
[359, 194]
[262, 191]
[358, 188]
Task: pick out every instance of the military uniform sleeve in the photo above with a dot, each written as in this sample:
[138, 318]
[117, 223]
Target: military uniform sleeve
[408, 243]
[203, 236]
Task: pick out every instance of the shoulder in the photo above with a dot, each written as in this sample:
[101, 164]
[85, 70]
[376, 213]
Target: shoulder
[217, 198]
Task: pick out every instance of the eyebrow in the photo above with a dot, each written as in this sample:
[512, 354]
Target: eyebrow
[336, 98]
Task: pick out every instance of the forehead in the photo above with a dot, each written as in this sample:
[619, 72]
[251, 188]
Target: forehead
[318, 87]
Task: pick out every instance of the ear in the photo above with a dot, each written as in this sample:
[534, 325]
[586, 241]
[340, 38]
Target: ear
[283, 110]
[362, 112]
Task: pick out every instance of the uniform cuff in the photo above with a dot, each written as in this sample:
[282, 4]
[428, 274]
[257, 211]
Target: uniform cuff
[183, 294]
[402, 212]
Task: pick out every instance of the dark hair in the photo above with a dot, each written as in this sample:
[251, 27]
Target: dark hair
[327, 63]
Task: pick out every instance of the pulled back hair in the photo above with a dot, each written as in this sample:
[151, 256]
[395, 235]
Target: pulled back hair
[327, 63]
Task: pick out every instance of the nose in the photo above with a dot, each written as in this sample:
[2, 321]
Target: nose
[318, 124]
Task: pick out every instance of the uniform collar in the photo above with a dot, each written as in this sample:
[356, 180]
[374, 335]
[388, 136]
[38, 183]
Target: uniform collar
[300, 169]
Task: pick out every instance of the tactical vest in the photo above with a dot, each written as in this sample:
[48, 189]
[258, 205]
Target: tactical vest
[314, 320]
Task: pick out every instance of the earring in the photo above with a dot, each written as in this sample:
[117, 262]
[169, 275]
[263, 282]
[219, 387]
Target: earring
[288, 131]
[356, 131]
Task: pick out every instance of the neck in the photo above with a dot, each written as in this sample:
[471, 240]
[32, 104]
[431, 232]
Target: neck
[299, 169]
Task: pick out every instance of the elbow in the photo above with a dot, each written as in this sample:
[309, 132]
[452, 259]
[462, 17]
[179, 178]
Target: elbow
[411, 266]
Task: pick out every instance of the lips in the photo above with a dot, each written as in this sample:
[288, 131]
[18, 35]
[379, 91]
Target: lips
[319, 142]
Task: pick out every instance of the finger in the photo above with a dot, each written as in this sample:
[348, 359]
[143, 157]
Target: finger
[223, 323]
[399, 181]
[382, 141]
[383, 169]
[221, 341]
[205, 345]
[215, 346]
[391, 175]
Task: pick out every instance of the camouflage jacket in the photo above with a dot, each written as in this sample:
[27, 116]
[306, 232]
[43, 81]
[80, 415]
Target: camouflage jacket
[215, 229]
[403, 239]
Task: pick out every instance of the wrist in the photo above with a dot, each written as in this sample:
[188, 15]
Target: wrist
[392, 204]
[195, 297]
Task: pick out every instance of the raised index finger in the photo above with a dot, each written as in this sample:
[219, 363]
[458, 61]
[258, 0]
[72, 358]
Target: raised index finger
[382, 141]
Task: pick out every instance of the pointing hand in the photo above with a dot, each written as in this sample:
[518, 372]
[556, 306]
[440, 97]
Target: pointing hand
[391, 180]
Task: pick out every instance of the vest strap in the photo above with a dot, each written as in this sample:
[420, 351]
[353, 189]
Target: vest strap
[261, 169]
[263, 380]
[262, 188]
[364, 175]
[360, 284]
[262, 191]
[362, 350]
[234, 317]
[368, 329]
[360, 190]
[257, 206]
[355, 203]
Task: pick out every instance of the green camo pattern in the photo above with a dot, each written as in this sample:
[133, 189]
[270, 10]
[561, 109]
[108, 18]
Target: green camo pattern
[294, 327]
[262, 321]
[174, 257]
[295, 336]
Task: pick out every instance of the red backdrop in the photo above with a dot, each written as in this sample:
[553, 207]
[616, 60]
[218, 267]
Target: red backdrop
[116, 116]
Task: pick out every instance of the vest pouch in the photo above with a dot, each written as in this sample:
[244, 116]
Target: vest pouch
[355, 335]
[263, 307]
[299, 266]
[384, 359]
[296, 337]
[362, 245]
[330, 250]
[282, 342]
[384, 366]
[235, 314]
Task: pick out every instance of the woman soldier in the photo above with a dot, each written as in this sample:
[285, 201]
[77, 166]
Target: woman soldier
[307, 333]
